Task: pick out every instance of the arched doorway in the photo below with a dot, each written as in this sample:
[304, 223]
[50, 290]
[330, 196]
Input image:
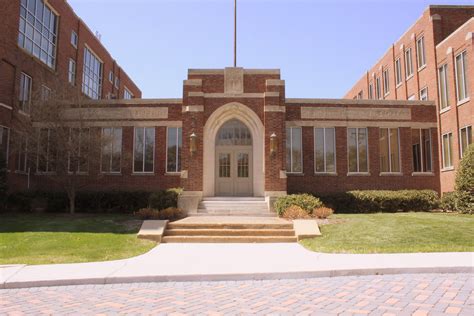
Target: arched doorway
[234, 176]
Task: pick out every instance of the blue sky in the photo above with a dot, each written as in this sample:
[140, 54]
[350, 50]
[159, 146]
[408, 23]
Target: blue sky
[321, 46]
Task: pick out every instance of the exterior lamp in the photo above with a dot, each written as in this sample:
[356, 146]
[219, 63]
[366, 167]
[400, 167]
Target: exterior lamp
[192, 143]
[273, 144]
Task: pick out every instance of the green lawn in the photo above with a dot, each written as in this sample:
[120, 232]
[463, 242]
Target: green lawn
[61, 238]
[394, 233]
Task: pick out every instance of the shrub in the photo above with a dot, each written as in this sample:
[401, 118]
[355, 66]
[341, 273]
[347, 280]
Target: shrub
[147, 213]
[370, 201]
[323, 212]
[3, 180]
[295, 212]
[164, 199]
[448, 201]
[465, 182]
[306, 201]
[171, 213]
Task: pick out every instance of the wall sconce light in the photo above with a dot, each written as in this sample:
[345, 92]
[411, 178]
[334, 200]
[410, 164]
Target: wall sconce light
[273, 144]
[192, 143]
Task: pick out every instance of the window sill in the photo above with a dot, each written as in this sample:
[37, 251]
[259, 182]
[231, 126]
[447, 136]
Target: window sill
[111, 173]
[295, 174]
[24, 113]
[396, 174]
[409, 77]
[3, 105]
[48, 173]
[173, 174]
[445, 110]
[464, 101]
[416, 174]
[421, 68]
[363, 174]
[330, 174]
[447, 169]
[143, 173]
[399, 85]
[25, 173]
[386, 94]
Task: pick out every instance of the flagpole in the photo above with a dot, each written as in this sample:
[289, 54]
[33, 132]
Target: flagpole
[235, 33]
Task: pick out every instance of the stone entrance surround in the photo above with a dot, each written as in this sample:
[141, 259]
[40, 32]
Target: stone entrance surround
[256, 97]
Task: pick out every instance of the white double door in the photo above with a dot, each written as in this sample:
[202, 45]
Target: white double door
[234, 171]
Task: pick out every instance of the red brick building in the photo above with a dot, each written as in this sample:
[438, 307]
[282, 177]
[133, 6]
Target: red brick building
[432, 60]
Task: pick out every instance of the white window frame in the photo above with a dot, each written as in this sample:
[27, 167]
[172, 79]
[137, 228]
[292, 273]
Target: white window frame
[390, 151]
[424, 94]
[178, 156]
[469, 141]
[144, 150]
[357, 150]
[378, 89]
[408, 64]
[291, 150]
[371, 91]
[117, 82]
[422, 160]
[464, 77]
[74, 39]
[129, 96]
[25, 103]
[7, 153]
[72, 72]
[111, 77]
[110, 171]
[86, 88]
[386, 81]
[451, 165]
[325, 150]
[443, 68]
[421, 57]
[398, 72]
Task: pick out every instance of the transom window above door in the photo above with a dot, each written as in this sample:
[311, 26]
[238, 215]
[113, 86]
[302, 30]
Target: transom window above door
[234, 133]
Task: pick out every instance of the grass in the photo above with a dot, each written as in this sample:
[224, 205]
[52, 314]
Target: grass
[61, 238]
[395, 233]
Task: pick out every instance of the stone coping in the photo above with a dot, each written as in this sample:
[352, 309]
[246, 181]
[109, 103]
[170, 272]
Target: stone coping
[357, 102]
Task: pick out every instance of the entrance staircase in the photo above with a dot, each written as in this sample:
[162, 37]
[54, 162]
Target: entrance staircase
[234, 206]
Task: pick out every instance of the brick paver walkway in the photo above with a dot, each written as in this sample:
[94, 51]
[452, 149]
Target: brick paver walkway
[409, 294]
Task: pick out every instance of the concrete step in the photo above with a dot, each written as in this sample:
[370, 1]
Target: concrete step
[263, 213]
[228, 239]
[239, 199]
[230, 232]
[177, 225]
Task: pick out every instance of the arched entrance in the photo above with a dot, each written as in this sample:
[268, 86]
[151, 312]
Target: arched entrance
[234, 160]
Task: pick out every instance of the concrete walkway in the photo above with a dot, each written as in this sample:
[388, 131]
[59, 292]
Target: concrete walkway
[206, 262]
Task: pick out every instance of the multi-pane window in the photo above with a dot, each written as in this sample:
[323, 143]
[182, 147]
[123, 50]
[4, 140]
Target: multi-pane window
[72, 72]
[25, 92]
[46, 154]
[386, 81]
[357, 142]
[111, 155]
[127, 94]
[443, 86]
[38, 30]
[447, 150]
[78, 155]
[421, 150]
[144, 149]
[173, 151]
[378, 93]
[117, 82]
[92, 75]
[74, 39]
[424, 94]
[324, 150]
[111, 77]
[22, 157]
[466, 138]
[398, 71]
[389, 150]
[461, 80]
[371, 93]
[420, 52]
[4, 138]
[408, 63]
[294, 150]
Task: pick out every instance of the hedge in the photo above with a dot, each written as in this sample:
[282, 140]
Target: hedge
[306, 201]
[371, 201]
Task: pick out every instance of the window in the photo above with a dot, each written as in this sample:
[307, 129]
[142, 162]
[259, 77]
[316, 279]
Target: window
[38, 31]
[408, 64]
[360, 95]
[173, 151]
[294, 150]
[378, 93]
[386, 82]
[424, 94]
[127, 94]
[111, 155]
[443, 87]
[45, 93]
[4, 142]
[420, 52]
[111, 77]
[144, 149]
[117, 82]
[412, 97]
[371, 94]
[74, 39]
[461, 81]
[389, 150]
[46, 151]
[92, 75]
[324, 150]
[421, 150]
[398, 71]
[447, 150]
[78, 155]
[72, 72]
[22, 159]
[357, 149]
[25, 92]
[466, 138]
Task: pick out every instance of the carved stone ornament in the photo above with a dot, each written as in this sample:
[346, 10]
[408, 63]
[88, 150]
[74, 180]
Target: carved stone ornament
[234, 80]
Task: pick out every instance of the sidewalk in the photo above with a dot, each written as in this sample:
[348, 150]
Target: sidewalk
[206, 262]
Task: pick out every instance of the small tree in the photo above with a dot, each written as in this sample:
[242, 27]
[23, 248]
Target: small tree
[465, 182]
